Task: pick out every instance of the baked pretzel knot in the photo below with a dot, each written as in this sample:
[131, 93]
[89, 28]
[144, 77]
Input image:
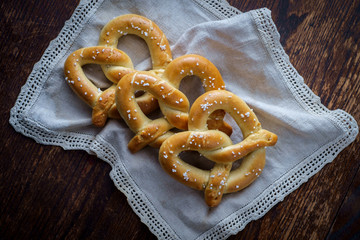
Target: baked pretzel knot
[102, 102]
[155, 39]
[218, 147]
[173, 104]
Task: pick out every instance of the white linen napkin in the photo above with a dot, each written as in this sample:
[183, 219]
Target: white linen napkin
[246, 49]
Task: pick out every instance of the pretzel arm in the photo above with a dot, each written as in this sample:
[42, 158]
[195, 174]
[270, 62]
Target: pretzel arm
[148, 134]
[257, 140]
[215, 188]
[249, 170]
[102, 108]
[115, 73]
[161, 139]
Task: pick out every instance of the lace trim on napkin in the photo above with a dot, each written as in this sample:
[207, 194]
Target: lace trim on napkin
[39, 75]
[220, 8]
[141, 206]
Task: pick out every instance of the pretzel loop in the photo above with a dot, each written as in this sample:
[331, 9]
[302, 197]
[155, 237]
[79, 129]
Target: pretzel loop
[144, 28]
[254, 136]
[155, 39]
[218, 147]
[206, 71]
[101, 102]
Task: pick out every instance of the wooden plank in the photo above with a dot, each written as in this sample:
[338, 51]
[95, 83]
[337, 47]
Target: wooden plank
[43, 195]
[323, 47]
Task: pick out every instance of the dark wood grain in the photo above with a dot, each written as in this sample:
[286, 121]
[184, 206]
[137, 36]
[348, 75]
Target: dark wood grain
[44, 197]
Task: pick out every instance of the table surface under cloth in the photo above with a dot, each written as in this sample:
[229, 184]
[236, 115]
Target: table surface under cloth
[50, 193]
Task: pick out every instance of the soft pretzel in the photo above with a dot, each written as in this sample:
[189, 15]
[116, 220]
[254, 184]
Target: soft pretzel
[163, 66]
[173, 104]
[102, 102]
[218, 147]
[153, 36]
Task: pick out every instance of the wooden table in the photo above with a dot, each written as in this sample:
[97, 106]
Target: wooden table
[43, 196]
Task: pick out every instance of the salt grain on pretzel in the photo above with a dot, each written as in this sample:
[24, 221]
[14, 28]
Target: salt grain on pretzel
[218, 147]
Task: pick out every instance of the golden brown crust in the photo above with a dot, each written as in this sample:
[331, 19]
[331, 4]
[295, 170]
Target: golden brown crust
[218, 147]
